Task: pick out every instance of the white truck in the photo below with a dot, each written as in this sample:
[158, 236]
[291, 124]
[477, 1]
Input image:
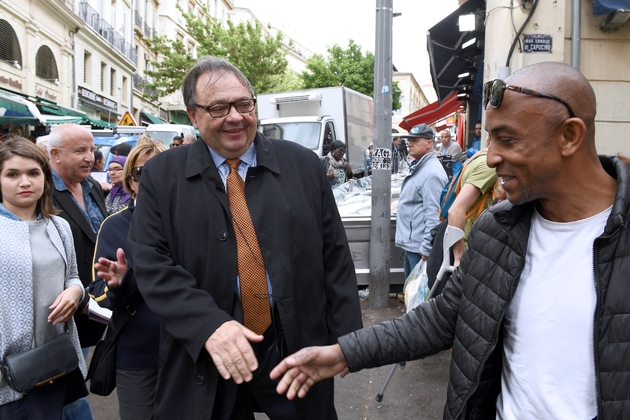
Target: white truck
[316, 117]
[166, 132]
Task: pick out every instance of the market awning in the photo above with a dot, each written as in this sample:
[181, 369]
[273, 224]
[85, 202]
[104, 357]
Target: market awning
[48, 109]
[61, 119]
[17, 110]
[179, 117]
[99, 123]
[152, 118]
[453, 53]
[71, 112]
[432, 113]
[604, 7]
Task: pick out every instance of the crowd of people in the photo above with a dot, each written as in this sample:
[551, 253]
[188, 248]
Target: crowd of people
[231, 308]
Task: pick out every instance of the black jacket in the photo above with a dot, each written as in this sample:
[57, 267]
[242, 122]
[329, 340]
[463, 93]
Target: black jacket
[469, 314]
[84, 241]
[184, 253]
[138, 344]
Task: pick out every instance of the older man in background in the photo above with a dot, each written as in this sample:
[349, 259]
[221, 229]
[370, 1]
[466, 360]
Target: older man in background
[81, 201]
[419, 202]
[451, 148]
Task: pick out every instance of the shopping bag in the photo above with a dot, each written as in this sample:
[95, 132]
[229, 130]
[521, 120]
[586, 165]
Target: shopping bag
[416, 286]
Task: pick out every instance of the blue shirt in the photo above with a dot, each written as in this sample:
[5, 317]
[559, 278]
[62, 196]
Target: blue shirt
[248, 159]
[92, 211]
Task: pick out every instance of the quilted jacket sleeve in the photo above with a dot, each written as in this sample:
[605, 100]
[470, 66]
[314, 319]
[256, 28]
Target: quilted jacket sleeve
[426, 330]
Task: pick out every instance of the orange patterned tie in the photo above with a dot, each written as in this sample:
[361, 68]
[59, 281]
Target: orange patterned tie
[251, 267]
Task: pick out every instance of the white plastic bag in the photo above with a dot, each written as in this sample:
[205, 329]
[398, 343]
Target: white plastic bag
[416, 286]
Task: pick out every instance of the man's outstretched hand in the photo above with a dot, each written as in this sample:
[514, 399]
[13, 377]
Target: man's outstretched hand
[302, 369]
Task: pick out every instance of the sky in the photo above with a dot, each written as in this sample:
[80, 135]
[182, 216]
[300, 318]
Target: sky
[321, 24]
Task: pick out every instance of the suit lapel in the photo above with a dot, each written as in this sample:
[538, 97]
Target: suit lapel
[67, 203]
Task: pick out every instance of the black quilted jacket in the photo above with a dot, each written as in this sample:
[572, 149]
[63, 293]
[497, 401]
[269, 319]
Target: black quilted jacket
[469, 313]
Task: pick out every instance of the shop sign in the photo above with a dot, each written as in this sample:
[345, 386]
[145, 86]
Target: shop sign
[88, 94]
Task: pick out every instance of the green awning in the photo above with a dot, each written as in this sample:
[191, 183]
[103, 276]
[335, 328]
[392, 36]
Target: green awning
[50, 110]
[99, 123]
[15, 110]
[71, 112]
[61, 119]
[153, 118]
[179, 117]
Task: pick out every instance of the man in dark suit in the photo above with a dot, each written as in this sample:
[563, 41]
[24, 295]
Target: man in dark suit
[187, 257]
[81, 201]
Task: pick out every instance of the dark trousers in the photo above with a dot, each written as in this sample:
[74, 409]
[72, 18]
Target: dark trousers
[136, 390]
[46, 403]
[240, 402]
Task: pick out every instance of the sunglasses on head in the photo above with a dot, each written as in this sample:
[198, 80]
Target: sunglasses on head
[136, 172]
[493, 91]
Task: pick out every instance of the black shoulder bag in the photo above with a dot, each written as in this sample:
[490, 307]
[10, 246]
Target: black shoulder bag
[102, 370]
[41, 366]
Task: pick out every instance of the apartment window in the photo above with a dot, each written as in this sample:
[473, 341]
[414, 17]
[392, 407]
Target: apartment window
[46, 65]
[103, 69]
[87, 63]
[112, 82]
[9, 44]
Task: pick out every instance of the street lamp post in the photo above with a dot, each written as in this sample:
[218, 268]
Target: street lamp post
[382, 158]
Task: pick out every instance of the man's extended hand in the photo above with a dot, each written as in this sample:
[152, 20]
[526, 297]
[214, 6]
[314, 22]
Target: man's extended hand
[231, 352]
[302, 369]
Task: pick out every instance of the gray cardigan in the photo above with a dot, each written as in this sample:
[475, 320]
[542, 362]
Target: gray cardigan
[16, 283]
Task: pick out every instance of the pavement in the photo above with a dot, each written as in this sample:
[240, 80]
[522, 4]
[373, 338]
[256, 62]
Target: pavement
[416, 392]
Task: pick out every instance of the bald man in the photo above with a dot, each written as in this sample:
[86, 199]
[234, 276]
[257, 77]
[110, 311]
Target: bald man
[537, 313]
[451, 148]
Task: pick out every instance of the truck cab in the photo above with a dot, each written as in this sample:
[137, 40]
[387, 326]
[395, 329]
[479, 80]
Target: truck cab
[316, 117]
[166, 132]
[315, 133]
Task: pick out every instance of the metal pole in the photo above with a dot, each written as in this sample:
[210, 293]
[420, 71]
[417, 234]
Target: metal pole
[575, 35]
[381, 174]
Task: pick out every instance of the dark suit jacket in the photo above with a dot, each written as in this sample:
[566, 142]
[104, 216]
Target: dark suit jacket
[184, 252]
[84, 241]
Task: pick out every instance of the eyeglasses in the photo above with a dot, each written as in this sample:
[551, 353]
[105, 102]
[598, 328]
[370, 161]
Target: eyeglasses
[493, 93]
[136, 171]
[175, 145]
[113, 170]
[242, 106]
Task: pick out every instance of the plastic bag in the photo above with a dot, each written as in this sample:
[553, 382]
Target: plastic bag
[416, 286]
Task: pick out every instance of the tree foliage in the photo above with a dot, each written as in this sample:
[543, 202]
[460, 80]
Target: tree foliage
[258, 55]
[345, 67]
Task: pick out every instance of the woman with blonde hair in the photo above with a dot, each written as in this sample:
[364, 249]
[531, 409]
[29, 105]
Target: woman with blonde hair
[114, 287]
[39, 279]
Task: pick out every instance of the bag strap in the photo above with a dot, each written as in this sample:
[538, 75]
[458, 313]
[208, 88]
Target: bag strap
[477, 209]
[120, 318]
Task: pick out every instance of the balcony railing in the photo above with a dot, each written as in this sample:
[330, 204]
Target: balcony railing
[116, 39]
[148, 31]
[138, 19]
[139, 82]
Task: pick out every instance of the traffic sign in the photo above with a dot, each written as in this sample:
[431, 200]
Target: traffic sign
[127, 119]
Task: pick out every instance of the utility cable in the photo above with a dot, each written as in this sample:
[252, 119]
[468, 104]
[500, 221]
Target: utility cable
[520, 31]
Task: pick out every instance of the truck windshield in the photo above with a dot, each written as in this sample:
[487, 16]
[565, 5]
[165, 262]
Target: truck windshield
[166, 137]
[304, 133]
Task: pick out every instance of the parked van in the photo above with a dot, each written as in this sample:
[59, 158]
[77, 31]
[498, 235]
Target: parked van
[166, 132]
